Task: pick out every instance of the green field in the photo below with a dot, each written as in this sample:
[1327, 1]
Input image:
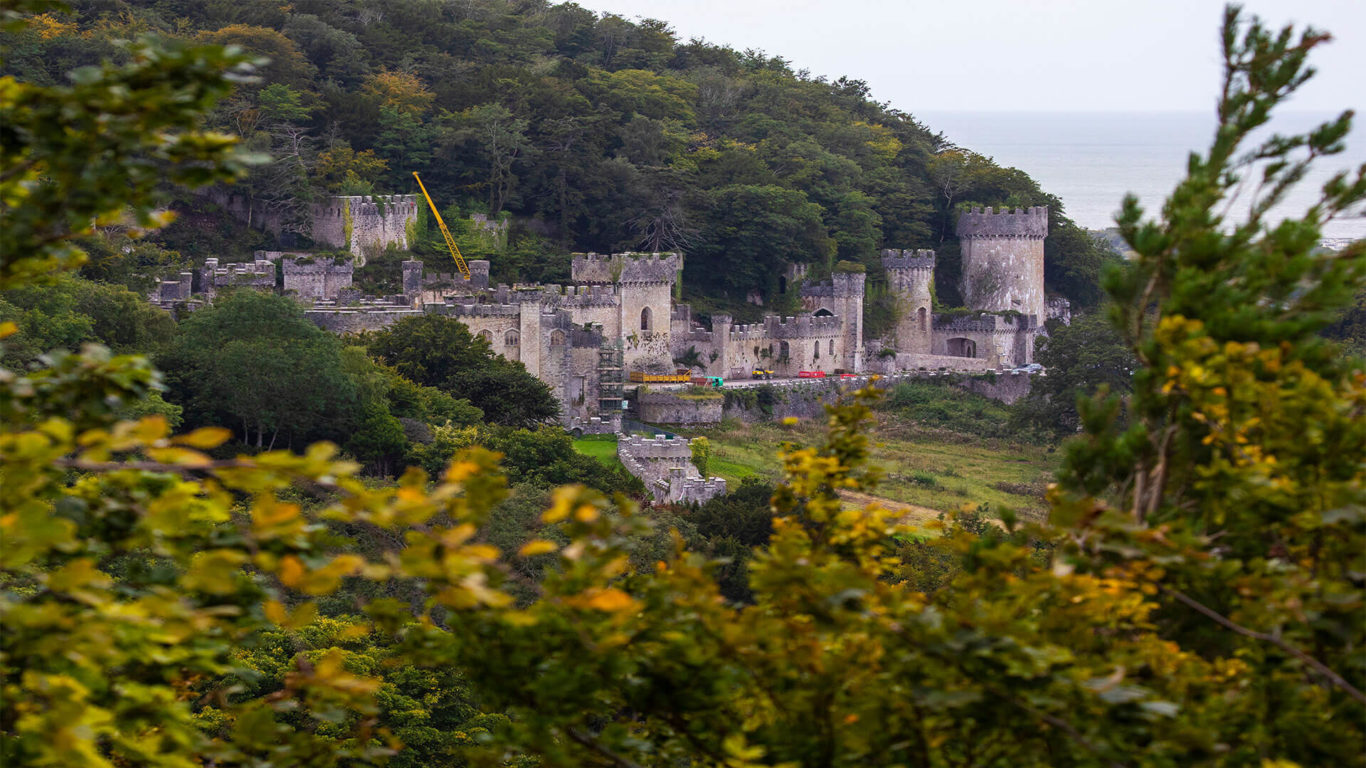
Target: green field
[931, 468]
[601, 447]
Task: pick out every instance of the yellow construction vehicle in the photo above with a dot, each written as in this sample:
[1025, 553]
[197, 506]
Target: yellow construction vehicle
[446, 233]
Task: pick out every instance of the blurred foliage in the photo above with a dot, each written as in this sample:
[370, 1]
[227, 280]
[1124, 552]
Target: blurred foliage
[1195, 597]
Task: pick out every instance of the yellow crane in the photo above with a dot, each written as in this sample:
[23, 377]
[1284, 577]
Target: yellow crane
[446, 233]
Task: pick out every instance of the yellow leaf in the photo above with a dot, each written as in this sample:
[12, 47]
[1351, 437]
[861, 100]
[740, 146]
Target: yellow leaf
[178, 456]
[204, 438]
[537, 547]
[611, 600]
[8, 328]
[291, 571]
[275, 611]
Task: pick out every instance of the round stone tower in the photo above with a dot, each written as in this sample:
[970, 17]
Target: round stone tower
[909, 275]
[1003, 260]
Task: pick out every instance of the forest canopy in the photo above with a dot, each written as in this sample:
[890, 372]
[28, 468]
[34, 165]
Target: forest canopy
[594, 132]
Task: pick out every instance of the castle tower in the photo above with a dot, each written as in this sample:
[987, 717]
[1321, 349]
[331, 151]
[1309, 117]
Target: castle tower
[1003, 260]
[848, 298]
[646, 282]
[910, 276]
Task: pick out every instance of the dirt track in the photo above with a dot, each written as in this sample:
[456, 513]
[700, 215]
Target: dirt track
[910, 513]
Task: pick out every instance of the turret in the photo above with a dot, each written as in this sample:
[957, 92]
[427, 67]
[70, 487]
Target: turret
[910, 276]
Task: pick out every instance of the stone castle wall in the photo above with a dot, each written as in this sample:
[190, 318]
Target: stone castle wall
[355, 223]
[665, 466]
[670, 408]
[364, 224]
[320, 279]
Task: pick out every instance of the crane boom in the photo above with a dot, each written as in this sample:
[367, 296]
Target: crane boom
[446, 233]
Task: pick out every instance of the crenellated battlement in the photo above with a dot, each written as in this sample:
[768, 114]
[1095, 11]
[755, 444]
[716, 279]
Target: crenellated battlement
[587, 295]
[1031, 223]
[456, 309]
[801, 327]
[666, 468]
[626, 267]
[337, 206]
[921, 258]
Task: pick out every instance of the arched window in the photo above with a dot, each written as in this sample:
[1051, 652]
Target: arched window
[816, 351]
[923, 318]
[832, 346]
[487, 336]
[557, 338]
[512, 338]
[645, 319]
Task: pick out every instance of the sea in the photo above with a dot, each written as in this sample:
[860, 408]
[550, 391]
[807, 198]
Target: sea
[1091, 159]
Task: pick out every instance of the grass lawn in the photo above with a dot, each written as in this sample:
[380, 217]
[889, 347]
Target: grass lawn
[932, 468]
[601, 447]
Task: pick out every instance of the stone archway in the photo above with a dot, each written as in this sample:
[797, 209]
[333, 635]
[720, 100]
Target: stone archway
[961, 347]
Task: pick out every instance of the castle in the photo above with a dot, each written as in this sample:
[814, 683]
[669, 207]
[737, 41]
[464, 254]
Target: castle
[619, 315]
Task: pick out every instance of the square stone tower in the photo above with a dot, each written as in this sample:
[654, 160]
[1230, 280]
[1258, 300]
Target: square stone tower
[1003, 260]
[646, 286]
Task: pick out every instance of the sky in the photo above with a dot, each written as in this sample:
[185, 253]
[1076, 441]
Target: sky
[1019, 55]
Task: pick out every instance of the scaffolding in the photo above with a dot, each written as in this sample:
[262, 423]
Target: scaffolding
[610, 379]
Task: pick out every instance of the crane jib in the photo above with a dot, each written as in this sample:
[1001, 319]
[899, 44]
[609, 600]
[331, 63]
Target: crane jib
[445, 233]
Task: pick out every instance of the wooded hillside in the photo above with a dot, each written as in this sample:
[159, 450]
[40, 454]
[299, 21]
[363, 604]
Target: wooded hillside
[593, 132]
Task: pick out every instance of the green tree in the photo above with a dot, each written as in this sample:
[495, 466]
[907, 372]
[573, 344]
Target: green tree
[749, 232]
[252, 360]
[142, 119]
[440, 352]
[1080, 359]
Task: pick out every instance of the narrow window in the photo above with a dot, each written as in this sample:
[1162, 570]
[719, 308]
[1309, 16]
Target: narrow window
[645, 319]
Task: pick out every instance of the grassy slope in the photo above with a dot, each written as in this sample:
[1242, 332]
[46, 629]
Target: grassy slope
[937, 469]
[601, 447]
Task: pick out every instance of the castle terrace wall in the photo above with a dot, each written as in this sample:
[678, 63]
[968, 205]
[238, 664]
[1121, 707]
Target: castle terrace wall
[374, 222]
[1005, 386]
[911, 361]
[671, 408]
[349, 320]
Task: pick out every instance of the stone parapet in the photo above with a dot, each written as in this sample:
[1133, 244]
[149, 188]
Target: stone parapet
[626, 267]
[1029, 223]
[802, 327]
[893, 259]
